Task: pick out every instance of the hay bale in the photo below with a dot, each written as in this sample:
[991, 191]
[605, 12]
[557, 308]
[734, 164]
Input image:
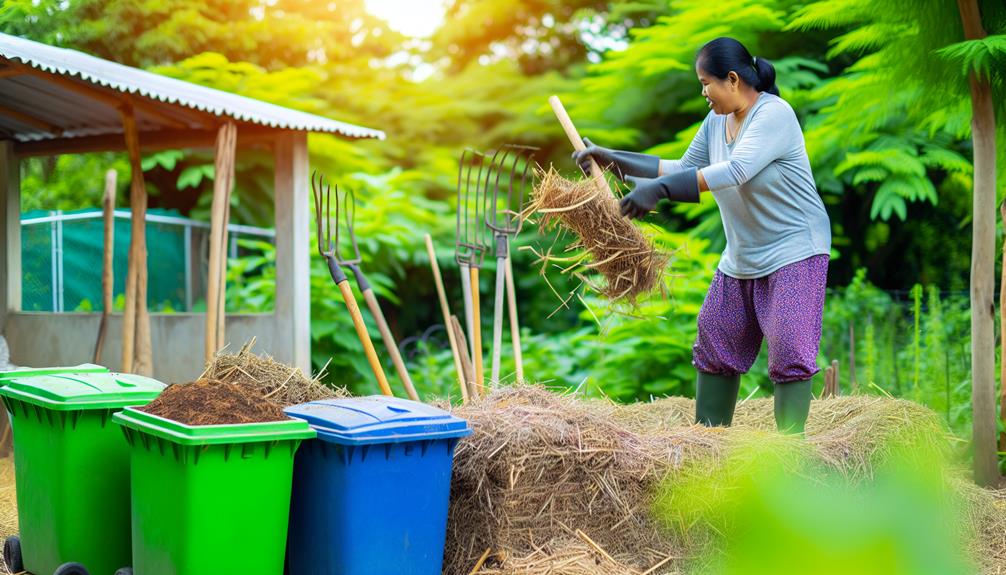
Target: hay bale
[540, 466]
[8, 498]
[281, 383]
[616, 248]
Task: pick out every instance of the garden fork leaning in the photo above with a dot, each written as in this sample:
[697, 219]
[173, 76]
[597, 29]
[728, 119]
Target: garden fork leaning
[506, 180]
[471, 243]
[322, 207]
[349, 215]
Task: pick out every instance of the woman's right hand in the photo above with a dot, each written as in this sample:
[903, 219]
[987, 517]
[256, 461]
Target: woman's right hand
[621, 163]
[603, 156]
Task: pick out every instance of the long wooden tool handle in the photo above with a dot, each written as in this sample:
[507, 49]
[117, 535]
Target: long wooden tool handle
[577, 141]
[466, 296]
[361, 332]
[445, 310]
[107, 276]
[494, 378]
[477, 330]
[514, 324]
[389, 343]
[466, 361]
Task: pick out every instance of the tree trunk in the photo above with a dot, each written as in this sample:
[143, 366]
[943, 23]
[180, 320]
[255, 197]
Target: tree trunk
[983, 381]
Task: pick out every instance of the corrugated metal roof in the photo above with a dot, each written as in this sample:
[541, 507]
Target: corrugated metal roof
[48, 102]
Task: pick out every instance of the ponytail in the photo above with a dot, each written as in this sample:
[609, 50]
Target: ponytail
[721, 56]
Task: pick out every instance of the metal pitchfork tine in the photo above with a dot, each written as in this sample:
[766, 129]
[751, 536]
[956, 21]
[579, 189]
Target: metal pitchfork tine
[322, 207]
[471, 243]
[349, 215]
[503, 217]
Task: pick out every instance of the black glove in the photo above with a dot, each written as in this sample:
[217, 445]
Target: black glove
[623, 163]
[680, 186]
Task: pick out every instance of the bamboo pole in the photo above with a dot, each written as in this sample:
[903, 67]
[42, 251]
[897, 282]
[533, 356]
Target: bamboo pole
[222, 182]
[446, 312]
[107, 275]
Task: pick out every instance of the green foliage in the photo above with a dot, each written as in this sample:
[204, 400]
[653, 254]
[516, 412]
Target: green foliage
[767, 508]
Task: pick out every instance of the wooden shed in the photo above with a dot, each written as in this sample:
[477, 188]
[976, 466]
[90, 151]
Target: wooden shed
[57, 101]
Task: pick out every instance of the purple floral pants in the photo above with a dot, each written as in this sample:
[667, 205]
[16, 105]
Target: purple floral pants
[784, 308]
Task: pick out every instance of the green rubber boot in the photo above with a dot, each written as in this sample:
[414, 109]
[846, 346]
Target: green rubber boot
[715, 398]
[792, 405]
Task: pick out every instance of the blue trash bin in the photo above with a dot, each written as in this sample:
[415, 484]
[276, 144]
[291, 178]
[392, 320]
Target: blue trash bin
[370, 494]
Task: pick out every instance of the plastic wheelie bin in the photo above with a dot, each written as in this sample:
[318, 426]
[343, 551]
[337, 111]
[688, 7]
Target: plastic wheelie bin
[71, 467]
[371, 493]
[210, 499]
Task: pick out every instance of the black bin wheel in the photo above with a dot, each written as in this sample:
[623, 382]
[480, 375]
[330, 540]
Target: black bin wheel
[12, 554]
[71, 569]
[125, 571]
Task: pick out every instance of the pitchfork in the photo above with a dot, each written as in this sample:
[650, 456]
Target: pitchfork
[322, 207]
[471, 244]
[507, 179]
[349, 215]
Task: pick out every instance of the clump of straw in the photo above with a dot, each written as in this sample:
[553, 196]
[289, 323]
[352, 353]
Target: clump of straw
[607, 242]
[278, 382]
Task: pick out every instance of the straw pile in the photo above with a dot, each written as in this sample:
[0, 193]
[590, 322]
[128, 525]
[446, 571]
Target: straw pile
[541, 469]
[8, 499]
[278, 382]
[616, 248]
[549, 484]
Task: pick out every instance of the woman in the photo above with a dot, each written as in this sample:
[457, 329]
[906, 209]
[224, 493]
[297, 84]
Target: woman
[770, 282]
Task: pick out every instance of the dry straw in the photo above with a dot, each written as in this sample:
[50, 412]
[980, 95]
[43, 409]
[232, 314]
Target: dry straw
[551, 484]
[276, 381]
[607, 243]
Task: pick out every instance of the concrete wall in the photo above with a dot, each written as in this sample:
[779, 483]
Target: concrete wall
[48, 339]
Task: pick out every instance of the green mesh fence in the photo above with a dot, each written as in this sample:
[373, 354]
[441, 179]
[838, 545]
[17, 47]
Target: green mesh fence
[62, 260]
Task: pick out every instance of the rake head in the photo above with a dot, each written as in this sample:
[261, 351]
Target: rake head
[473, 238]
[507, 178]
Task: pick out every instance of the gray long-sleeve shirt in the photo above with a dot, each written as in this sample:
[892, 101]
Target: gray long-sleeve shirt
[762, 182]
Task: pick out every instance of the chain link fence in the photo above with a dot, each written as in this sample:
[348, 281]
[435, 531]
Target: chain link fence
[62, 255]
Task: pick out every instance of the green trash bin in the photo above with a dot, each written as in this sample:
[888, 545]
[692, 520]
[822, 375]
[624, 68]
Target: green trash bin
[71, 467]
[210, 499]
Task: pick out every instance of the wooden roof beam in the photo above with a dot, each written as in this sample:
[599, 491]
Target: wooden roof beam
[150, 141]
[30, 120]
[114, 99]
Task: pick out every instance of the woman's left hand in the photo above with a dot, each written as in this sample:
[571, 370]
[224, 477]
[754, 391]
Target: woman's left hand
[680, 186]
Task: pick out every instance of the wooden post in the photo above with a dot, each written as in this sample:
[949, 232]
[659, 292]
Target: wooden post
[222, 183]
[136, 347]
[293, 247]
[107, 275]
[10, 236]
[983, 379]
[10, 255]
[1002, 339]
[853, 386]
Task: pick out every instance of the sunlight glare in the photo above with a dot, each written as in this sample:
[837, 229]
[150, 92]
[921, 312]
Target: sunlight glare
[417, 18]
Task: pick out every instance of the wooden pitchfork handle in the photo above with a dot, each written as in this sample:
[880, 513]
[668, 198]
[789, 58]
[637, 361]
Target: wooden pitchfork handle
[577, 141]
[361, 329]
[386, 335]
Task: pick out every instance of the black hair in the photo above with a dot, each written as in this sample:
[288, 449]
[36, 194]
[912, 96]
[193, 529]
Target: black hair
[721, 56]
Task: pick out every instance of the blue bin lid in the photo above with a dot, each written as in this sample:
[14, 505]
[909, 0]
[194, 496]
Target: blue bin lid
[378, 419]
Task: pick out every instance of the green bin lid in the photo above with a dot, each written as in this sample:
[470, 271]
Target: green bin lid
[212, 434]
[33, 371]
[87, 390]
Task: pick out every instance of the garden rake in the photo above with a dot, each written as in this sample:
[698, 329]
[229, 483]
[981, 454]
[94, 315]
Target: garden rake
[349, 215]
[509, 171]
[471, 244]
[322, 207]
